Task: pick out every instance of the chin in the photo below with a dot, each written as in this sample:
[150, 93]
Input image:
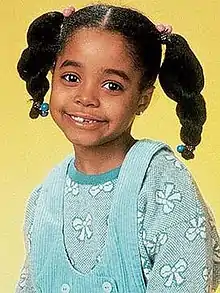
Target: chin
[86, 140]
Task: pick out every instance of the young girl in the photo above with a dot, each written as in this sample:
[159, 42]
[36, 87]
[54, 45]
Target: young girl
[121, 215]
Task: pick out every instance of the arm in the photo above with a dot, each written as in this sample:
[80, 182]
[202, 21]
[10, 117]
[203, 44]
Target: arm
[25, 284]
[178, 233]
[182, 259]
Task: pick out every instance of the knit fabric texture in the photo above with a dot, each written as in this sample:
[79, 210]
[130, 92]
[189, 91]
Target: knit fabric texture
[178, 245]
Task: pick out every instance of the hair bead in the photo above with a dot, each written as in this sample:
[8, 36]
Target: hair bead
[180, 148]
[44, 107]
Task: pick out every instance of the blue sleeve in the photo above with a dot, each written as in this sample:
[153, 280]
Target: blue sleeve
[182, 247]
[183, 259]
[25, 283]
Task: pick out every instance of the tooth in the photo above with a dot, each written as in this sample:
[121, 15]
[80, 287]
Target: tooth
[80, 119]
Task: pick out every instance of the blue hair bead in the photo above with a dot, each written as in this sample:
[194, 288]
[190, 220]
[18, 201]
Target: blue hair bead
[44, 113]
[180, 148]
[44, 107]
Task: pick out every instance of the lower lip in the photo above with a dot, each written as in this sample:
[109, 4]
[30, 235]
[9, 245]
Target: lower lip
[85, 125]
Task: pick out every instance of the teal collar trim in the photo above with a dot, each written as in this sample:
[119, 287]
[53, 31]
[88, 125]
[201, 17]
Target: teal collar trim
[83, 178]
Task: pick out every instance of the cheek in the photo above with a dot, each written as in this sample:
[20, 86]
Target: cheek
[122, 113]
[126, 107]
[57, 95]
[56, 103]
[53, 106]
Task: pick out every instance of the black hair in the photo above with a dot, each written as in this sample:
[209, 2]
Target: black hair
[180, 75]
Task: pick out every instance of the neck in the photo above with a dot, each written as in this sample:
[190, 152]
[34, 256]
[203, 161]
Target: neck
[102, 158]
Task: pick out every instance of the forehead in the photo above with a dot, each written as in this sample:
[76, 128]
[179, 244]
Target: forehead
[98, 47]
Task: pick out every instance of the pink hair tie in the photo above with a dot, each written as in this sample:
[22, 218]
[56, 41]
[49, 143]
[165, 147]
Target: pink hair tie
[68, 11]
[165, 31]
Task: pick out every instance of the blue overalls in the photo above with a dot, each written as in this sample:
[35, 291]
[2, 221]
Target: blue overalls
[119, 269]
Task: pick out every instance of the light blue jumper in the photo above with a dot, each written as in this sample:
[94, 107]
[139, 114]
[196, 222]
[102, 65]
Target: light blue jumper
[120, 268]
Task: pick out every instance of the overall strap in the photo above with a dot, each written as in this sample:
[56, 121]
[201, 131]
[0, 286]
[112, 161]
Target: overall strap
[125, 210]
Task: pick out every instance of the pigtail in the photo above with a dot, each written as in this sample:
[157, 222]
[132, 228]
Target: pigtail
[181, 77]
[36, 60]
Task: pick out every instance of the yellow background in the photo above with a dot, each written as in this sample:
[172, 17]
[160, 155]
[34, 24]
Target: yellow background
[30, 148]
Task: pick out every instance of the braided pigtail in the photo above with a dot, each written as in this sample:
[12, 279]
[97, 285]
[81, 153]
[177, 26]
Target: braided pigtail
[36, 60]
[181, 77]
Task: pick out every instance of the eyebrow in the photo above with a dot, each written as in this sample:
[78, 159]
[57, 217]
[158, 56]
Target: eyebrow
[118, 72]
[70, 63]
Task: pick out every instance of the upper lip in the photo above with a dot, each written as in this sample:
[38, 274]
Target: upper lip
[87, 116]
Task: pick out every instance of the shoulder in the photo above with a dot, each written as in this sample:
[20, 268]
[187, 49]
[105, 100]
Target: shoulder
[169, 194]
[58, 172]
[166, 167]
[60, 168]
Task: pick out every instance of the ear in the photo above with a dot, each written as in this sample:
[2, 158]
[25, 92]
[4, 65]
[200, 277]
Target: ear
[145, 99]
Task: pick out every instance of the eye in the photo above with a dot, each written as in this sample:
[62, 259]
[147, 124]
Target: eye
[70, 77]
[113, 86]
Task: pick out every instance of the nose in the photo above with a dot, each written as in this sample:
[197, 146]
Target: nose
[88, 96]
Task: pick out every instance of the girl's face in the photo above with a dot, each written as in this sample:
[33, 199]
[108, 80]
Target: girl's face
[95, 89]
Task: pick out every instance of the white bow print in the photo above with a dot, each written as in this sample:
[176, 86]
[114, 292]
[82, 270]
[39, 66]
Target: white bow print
[71, 187]
[83, 227]
[23, 278]
[198, 228]
[176, 162]
[167, 197]
[205, 274]
[173, 273]
[140, 218]
[216, 250]
[153, 246]
[147, 267]
[107, 187]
